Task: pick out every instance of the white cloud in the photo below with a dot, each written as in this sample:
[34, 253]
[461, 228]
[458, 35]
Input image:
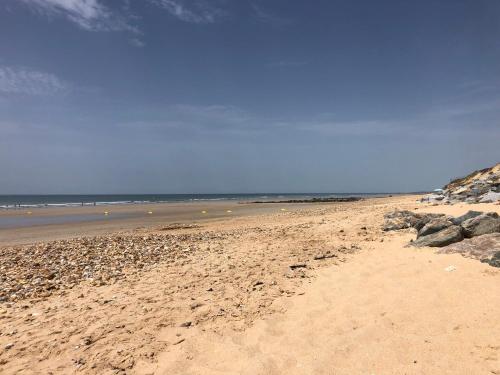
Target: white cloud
[197, 11]
[88, 14]
[136, 42]
[31, 82]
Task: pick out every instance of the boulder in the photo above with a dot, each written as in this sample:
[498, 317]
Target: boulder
[424, 219]
[434, 225]
[482, 224]
[482, 247]
[432, 198]
[469, 215]
[407, 219]
[444, 237]
[490, 197]
[400, 220]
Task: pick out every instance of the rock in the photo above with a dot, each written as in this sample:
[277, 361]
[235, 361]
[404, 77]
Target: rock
[482, 247]
[479, 186]
[444, 237]
[490, 197]
[424, 219]
[397, 220]
[433, 226]
[186, 324]
[482, 224]
[469, 215]
[494, 261]
[9, 346]
[432, 198]
[324, 256]
[298, 265]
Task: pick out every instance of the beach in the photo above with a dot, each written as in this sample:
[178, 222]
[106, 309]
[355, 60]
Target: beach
[263, 289]
[29, 225]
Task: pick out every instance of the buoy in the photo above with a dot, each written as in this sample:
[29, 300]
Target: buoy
[106, 212]
[229, 211]
[283, 209]
[29, 212]
[150, 212]
[203, 212]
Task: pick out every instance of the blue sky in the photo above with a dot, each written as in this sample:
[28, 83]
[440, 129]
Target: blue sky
[215, 96]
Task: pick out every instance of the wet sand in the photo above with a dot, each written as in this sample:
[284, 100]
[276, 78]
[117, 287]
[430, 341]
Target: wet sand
[22, 226]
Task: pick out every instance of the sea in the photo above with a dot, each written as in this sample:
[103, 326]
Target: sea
[74, 200]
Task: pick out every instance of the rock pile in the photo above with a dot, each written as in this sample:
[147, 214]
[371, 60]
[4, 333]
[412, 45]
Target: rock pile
[481, 231]
[478, 187]
[485, 248]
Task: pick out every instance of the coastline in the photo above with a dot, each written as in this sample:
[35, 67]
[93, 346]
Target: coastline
[23, 226]
[125, 217]
[258, 293]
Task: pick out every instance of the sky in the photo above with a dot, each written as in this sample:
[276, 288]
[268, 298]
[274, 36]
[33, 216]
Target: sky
[221, 96]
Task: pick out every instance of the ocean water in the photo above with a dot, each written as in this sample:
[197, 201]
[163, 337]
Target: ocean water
[32, 201]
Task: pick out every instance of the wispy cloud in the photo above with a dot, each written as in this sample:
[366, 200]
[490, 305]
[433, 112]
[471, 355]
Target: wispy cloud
[30, 82]
[223, 120]
[193, 11]
[136, 42]
[267, 17]
[90, 15]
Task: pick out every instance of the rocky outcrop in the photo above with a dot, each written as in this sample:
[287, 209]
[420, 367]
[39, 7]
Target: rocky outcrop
[482, 224]
[444, 237]
[434, 225]
[468, 215]
[438, 230]
[481, 186]
[397, 220]
[485, 248]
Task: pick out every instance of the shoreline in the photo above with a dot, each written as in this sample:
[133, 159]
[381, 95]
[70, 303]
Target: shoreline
[26, 226]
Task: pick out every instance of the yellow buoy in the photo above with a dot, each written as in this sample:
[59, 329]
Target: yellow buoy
[229, 211]
[203, 212]
[29, 212]
[106, 212]
[150, 212]
[283, 209]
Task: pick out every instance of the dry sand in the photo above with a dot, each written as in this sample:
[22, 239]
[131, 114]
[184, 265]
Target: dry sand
[232, 304]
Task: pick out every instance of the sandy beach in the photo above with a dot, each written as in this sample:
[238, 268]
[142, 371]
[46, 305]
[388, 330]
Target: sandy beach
[316, 289]
[18, 226]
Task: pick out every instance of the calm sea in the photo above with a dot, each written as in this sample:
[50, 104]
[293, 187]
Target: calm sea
[25, 201]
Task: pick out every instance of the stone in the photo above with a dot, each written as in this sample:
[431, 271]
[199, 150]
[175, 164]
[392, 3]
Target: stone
[482, 247]
[432, 198]
[325, 255]
[482, 224]
[444, 237]
[397, 220]
[298, 265]
[433, 226]
[469, 215]
[490, 197]
[494, 261]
